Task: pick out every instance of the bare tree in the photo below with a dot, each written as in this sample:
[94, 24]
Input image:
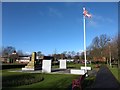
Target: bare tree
[65, 53]
[113, 47]
[39, 54]
[119, 52]
[20, 53]
[104, 40]
[62, 56]
[73, 54]
[6, 51]
[98, 46]
[69, 55]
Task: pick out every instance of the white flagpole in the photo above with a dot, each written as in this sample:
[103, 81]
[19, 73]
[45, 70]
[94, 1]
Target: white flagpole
[84, 39]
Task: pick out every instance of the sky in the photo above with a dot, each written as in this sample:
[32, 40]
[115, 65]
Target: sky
[50, 26]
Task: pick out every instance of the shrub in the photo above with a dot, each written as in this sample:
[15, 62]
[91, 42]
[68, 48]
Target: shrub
[23, 79]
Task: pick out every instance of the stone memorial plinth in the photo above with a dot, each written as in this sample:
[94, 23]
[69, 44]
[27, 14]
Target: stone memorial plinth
[77, 71]
[46, 66]
[86, 68]
[31, 64]
[62, 64]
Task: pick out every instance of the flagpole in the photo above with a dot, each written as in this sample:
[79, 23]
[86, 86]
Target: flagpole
[84, 40]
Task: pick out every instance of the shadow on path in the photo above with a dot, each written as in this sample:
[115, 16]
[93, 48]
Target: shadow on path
[105, 79]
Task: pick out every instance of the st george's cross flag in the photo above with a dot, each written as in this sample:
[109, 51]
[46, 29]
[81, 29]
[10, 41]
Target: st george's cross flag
[85, 13]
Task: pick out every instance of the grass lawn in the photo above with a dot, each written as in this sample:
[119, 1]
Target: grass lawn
[7, 73]
[114, 71]
[52, 80]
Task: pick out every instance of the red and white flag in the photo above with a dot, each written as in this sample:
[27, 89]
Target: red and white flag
[86, 14]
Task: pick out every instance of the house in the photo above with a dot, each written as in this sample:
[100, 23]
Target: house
[24, 59]
[3, 59]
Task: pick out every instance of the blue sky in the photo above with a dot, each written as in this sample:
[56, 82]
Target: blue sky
[48, 26]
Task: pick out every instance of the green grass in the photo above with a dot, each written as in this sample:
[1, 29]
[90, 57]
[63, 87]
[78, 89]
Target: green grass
[53, 80]
[7, 73]
[50, 80]
[114, 71]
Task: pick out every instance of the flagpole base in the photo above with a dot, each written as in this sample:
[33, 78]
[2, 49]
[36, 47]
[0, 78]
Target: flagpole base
[86, 68]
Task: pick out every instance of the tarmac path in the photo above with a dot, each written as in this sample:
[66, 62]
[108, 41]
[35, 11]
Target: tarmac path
[105, 79]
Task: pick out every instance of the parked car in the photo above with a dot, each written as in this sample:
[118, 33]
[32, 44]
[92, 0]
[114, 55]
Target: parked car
[88, 62]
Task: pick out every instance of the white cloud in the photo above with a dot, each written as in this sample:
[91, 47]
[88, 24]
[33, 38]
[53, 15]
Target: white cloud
[81, 51]
[109, 20]
[102, 19]
[92, 23]
[98, 20]
[28, 53]
[55, 12]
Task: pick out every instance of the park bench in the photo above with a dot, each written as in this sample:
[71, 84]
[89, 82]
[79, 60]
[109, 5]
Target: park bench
[114, 65]
[77, 83]
[97, 66]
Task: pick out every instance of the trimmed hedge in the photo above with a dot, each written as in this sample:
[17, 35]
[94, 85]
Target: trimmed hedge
[9, 66]
[22, 79]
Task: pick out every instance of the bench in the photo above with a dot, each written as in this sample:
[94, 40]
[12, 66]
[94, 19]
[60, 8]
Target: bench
[114, 65]
[97, 66]
[77, 83]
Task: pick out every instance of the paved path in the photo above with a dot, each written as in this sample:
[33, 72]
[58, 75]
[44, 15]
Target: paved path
[105, 79]
[53, 71]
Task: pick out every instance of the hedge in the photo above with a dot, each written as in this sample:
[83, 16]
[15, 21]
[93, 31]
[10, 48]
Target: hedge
[21, 79]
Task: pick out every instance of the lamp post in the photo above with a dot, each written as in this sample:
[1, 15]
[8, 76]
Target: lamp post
[110, 54]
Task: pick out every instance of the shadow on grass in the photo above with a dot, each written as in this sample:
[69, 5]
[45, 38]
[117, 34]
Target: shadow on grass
[57, 70]
[88, 82]
[70, 67]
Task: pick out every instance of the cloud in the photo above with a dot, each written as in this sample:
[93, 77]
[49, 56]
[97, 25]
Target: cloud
[102, 19]
[55, 12]
[92, 23]
[98, 20]
[28, 53]
[109, 20]
[81, 51]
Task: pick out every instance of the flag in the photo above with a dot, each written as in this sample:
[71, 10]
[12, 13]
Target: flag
[86, 14]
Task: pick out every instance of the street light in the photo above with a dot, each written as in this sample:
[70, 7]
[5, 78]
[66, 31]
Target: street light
[110, 54]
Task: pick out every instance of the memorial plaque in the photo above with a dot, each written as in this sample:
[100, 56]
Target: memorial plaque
[46, 66]
[62, 64]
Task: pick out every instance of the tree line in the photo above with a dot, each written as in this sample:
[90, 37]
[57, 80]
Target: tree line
[102, 48]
